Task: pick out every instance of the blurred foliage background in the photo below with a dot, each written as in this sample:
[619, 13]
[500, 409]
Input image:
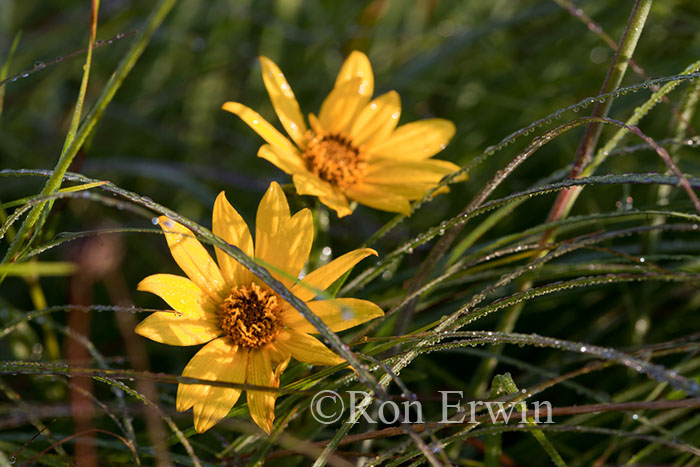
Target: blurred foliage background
[490, 67]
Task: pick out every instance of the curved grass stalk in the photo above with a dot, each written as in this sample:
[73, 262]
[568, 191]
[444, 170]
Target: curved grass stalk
[77, 135]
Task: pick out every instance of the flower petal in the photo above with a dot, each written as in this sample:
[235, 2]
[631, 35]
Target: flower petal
[217, 361]
[260, 125]
[283, 243]
[338, 203]
[415, 141]
[323, 277]
[290, 163]
[171, 329]
[357, 65]
[340, 107]
[296, 240]
[374, 197]
[283, 100]
[230, 367]
[272, 216]
[307, 184]
[230, 226]
[393, 172]
[261, 403]
[306, 348]
[192, 257]
[181, 294]
[377, 120]
[338, 314]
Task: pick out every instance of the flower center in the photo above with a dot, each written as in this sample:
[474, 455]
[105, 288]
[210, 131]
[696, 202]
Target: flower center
[333, 158]
[250, 316]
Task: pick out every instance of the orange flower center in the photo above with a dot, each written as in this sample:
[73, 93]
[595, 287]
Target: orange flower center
[250, 316]
[333, 158]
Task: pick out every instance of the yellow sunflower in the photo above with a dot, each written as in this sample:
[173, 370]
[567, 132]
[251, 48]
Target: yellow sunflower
[353, 149]
[250, 332]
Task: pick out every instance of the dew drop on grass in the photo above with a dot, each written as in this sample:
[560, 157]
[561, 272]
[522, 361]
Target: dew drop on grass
[39, 65]
[154, 221]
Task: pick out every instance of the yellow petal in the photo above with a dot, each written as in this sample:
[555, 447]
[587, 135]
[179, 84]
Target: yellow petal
[171, 329]
[278, 356]
[340, 107]
[338, 203]
[357, 65]
[272, 216]
[415, 141]
[315, 124]
[281, 241]
[230, 226]
[392, 172]
[283, 100]
[374, 197]
[306, 348]
[181, 294]
[308, 184]
[261, 403]
[296, 240]
[338, 314]
[193, 258]
[323, 277]
[260, 125]
[377, 120]
[290, 163]
[219, 360]
[410, 192]
[229, 364]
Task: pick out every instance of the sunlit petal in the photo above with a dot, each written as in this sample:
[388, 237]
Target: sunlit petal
[323, 277]
[275, 227]
[374, 197]
[377, 120]
[340, 107]
[230, 226]
[217, 361]
[392, 172]
[283, 100]
[306, 348]
[172, 329]
[357, 65]
[290, 163]
[339, 314]
[416, 141]
[261, 403]
[193, 258]
[260, 125]
[181, 294]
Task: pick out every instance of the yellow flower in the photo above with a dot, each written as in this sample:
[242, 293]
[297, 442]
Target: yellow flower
[353, 150]
[251, 332]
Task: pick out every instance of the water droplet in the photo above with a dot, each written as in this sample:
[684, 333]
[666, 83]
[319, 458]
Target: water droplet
[154, 221]
[641, 260]
[38, 65]
[410, 251]
[24, 75]
[583, 348]
[635, 416]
